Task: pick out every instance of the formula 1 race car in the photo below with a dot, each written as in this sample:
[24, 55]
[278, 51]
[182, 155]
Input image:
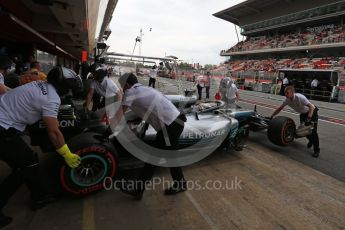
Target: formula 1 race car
[209, 127]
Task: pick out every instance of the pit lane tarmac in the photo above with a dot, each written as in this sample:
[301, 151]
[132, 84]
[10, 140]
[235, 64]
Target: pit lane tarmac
[256, 188]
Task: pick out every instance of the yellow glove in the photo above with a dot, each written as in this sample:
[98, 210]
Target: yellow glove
[71, 159]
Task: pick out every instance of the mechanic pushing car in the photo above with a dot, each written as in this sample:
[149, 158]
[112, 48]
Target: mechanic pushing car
[153, 107]
[23, 106]
[308, 114]
[104, 87]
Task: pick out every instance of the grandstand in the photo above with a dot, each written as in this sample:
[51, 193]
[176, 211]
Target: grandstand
[280, 34]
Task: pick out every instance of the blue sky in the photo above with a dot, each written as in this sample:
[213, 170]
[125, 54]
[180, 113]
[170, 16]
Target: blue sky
[185, 29]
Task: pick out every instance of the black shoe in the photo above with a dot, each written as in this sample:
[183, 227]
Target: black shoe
[316, 152]
[176, 188]
[136, 194]
[42, 202]
[4, 220]
[309, 145]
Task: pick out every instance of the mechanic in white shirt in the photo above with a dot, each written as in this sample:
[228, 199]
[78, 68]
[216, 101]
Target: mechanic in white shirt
[314, 84]
[285, 83]
[22, 106]
[6, 67]
[308, 113]
[156, 109]
[104, 87]
[199, 83]
[228, 91]
[153, 76]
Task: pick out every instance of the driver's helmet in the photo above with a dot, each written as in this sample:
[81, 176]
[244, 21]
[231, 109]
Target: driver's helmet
[64, 79]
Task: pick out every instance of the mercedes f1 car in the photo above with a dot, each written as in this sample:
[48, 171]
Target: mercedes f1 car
[209, 126]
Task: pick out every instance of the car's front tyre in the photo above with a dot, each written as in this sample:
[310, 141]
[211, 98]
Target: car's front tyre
[98, 161]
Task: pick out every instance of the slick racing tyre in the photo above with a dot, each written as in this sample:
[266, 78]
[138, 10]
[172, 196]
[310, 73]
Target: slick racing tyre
[281, 130]
[98, 161]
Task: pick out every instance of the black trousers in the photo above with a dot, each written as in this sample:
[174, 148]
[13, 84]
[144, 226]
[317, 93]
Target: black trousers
[24, 164]
[199, 91]
[207, 92]
[282, 89]
[152, 82]
[313, 137]
[174, 131]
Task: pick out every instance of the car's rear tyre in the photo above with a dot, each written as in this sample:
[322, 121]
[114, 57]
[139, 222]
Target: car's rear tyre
[281, 130]
[99, 161]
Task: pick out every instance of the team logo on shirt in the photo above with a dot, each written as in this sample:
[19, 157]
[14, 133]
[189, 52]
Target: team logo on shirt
[42, 88]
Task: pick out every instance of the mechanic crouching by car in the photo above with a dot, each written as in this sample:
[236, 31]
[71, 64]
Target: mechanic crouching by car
[23, 106]
[153, 107]
[308, 114]
[104, 87]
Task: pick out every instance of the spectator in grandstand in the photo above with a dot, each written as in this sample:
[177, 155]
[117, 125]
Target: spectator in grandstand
[199, 85]
[153, 76]
[7, 67]
[208, 84]
[228, 91]
[308, 114]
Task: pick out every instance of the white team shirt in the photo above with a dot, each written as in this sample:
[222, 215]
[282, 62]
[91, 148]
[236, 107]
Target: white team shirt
[151, 105]
[224, 84]
[199, 80]
[153, 73]
[285, 81]
[314, 83]
[298, 103]
[27, 104]
[106, 88]
[227, 88]
[231, 91]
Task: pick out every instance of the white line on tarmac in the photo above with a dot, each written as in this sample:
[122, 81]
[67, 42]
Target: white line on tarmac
[201, 212]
